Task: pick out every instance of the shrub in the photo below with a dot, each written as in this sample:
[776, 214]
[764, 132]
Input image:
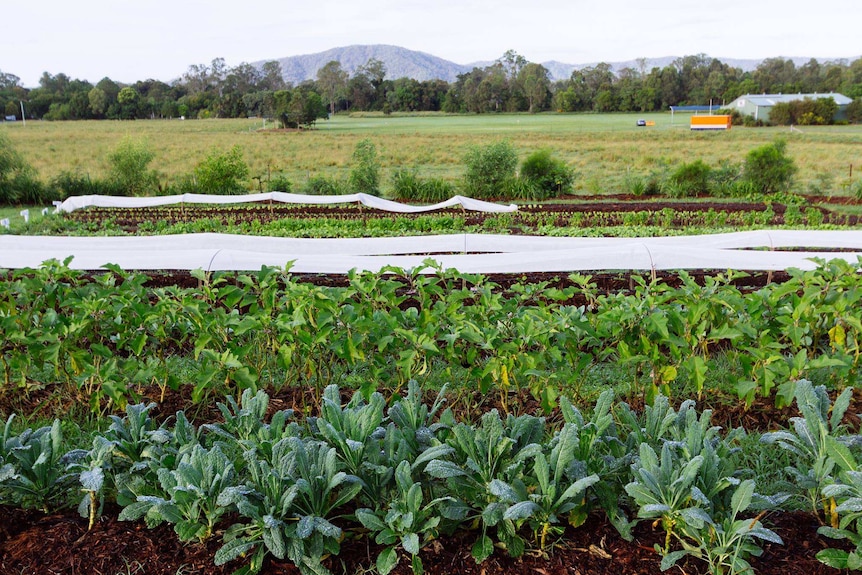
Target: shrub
[724, 179]
[28, 189]
[279, 183]
[490, 170]
[689, 179]
[521, 189]
[222, 173]
[185, 184]
[437, 190]
[750, 122]
[548, 176]
[128, 169]
[635, 185]
[407, 185]
[78, 184]
[323, 186]
[365, 172]
[768, 169]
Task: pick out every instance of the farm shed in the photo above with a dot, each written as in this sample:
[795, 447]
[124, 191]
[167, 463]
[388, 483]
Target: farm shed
[758, 106]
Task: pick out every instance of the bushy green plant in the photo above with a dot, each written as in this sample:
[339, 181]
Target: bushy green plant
[724, 543]
[689, 179]
[222, 173]
[406, 185]
[490, 170]
[809, 441]
[322, 490]
[438, 189]
[279, 183]
[68, 184]
[189, 494]
[635, 185]
[521, 189]
[129, 170]
[768, 169]
[548, 492]
[486, 460]
[365, 172]
[600, 451]
[724, 179]
[244, 427]
[323, 186]
[408, 522]
[846, 492]
[548, 176]
[33, 465]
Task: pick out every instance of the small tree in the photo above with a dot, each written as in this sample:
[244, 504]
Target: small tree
[490, 170]
[768, 169]
[365, 172]
[222, 173]
[128, 168]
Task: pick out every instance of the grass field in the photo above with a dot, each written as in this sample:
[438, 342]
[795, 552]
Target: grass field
[602, 148]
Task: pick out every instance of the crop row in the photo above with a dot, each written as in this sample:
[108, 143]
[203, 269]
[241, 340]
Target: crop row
[354, 222]
[105, 337]
[402, 475]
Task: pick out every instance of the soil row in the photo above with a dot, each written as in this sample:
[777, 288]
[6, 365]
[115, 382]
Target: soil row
[33, 543]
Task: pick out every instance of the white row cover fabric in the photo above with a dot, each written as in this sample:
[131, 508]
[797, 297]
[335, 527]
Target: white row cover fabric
[79, 202]
[468, 253]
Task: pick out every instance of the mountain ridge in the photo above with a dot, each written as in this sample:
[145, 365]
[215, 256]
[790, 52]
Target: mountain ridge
[402, 62]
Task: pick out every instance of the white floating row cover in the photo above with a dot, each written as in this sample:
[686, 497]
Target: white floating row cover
[79, 202]
[468, 253]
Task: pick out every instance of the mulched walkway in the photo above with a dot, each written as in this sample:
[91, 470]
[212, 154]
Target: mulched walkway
[35, 544]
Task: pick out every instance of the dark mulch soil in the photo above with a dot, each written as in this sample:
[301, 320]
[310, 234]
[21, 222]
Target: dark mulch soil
[35, 544]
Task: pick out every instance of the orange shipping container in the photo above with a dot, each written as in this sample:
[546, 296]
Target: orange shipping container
[721, 122]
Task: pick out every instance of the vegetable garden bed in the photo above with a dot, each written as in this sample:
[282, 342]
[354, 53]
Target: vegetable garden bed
[515, 344]
[529, 219]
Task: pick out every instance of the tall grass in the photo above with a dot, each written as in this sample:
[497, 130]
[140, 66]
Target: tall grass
[601, 148]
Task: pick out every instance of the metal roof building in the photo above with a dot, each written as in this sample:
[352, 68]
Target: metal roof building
[759, 105]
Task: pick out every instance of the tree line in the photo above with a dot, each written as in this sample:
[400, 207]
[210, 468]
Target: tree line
[510, 84]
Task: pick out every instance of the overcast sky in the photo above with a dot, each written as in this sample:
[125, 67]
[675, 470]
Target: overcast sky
[129, 41]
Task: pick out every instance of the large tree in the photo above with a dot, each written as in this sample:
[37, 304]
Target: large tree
[272, 78]
[534, 80]
[8, 81]
[332, 81]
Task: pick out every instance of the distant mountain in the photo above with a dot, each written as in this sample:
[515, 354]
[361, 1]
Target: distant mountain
[404, 63]
[400, 63]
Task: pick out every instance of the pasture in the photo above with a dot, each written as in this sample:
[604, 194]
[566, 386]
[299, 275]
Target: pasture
[603, 148]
